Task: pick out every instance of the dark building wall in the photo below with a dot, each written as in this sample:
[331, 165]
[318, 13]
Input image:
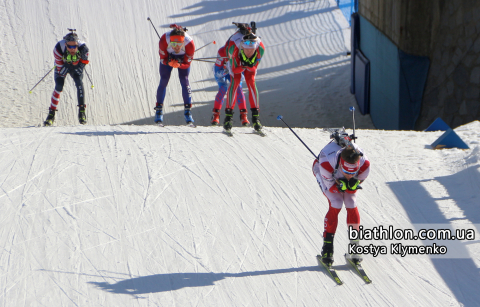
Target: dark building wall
[448, 33]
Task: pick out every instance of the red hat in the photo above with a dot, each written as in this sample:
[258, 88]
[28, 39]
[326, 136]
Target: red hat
[177, 38]
[349, 168]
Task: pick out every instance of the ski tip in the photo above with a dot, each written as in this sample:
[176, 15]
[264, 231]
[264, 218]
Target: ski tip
[279, 117]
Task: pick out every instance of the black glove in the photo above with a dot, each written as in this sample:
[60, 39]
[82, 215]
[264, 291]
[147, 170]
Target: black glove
[79, 69]
[353, 184]
[63, 71]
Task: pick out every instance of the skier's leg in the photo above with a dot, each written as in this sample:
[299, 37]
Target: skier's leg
[59, 82]
[353, 219]
[335, 202]
[78, 79]
[165, 72]
[186, 93]
[220, 97]
[242, 105]
[231, 96]
[253, 98]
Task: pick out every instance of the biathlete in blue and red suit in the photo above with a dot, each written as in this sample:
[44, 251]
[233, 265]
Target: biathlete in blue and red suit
[176, 49]
[71, 56]
[222, 76]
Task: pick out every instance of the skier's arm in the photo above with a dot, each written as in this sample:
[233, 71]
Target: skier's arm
[323, 171]
[364, 170]
[83, 49]
[58, 55]
[260, 52]
[162, 50]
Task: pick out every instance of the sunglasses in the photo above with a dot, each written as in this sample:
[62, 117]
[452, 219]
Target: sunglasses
[72, 46]
[249, 43]
[175, 44]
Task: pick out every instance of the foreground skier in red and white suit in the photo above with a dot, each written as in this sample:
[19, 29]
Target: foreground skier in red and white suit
[339, 183]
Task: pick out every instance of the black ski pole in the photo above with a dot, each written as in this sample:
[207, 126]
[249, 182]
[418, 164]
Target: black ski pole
[205, 45]
[41, 79]
[353, 116]
[89, 78]
[280, 117]
[148, 18]
[213, 58]
[200, 60]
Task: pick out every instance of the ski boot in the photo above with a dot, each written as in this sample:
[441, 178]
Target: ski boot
[256, 119]
[355, 258]
[228, 122]
[243, 117]
[158, 113]
[327, 249]
[215, 117]
[50, 118]
[188, 114]
[82, 117]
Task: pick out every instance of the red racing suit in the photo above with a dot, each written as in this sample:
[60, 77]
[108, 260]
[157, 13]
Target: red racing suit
[236, 67]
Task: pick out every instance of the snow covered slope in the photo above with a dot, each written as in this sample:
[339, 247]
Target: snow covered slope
[147, 216]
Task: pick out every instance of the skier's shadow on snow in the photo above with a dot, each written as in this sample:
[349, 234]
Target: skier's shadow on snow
[175, 281]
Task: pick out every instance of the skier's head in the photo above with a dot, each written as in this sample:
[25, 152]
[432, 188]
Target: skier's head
[71, 37]
[177, 38]
[349, 162]
[249, 44]
[71, 40]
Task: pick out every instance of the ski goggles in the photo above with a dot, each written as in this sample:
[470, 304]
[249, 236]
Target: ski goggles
[72, 46]
[175, 44]
[249, 44]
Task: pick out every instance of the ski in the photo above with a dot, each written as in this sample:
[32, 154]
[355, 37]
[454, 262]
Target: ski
[191, 125]
[358, 267]
[228, 132]
[330, 270]
[260, 132]
[160, 125]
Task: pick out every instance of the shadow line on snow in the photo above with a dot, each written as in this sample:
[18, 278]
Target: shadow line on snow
[461, 275]
[112, 133]
[175, 281]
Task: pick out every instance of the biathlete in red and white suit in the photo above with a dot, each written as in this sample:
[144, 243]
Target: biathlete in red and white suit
[176, 49]
[222, 77]
[339, 183]
[244, 53]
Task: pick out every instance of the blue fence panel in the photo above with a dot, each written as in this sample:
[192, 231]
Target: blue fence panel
[362, 82]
